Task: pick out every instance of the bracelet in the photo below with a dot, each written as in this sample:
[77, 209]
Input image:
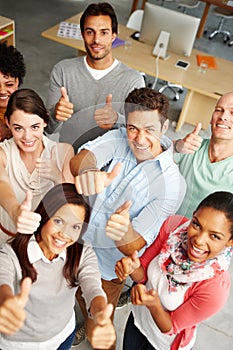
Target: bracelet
[175, 144]
[84, 171]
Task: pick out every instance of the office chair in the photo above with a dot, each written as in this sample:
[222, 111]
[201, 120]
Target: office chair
[223, 14]
[187, 4]
[135, 20]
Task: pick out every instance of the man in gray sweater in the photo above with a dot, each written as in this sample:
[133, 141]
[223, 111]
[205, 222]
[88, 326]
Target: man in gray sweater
[87, 93]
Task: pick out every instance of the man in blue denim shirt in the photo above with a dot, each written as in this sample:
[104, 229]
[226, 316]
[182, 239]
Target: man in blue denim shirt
[142, 183]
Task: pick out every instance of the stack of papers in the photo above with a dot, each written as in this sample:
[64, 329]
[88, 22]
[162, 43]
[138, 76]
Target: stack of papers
[69, 30]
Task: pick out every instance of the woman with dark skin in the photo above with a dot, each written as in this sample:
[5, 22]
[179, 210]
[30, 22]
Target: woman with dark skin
[12, 72]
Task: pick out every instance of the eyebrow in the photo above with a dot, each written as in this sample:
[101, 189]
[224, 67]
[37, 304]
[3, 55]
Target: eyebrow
[215, 232]
[146, 127]
[15, 124]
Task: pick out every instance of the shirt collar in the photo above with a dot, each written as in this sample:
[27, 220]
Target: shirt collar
[35, 253]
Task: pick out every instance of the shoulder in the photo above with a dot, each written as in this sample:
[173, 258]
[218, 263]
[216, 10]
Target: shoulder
[69, 63]
[128, 70]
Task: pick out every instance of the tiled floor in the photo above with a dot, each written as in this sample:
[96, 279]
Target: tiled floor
[31, 18]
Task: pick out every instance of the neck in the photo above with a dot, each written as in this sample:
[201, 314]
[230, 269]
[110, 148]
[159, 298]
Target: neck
[100, 64]
[220, 150]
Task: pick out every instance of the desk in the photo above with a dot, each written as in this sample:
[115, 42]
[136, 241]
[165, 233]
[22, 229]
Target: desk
[201, 28]
[203, 89]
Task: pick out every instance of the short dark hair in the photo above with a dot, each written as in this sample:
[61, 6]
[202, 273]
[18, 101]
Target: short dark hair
[146, 99]
[98, 9]
[54, 199]
[12, 62]
[28, 101]
[222, 201]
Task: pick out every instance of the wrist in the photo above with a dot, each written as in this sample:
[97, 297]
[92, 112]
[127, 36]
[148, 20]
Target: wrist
[175, 146]
[87, 170]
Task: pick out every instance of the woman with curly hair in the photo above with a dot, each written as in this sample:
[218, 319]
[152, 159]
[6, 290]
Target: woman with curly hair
[12, 72]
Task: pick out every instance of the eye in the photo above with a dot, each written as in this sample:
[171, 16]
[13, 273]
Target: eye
[58, 221]
[195, 224]
[218, 109]
[10, 84]
[17, 128]
[131, 128]
[215, 237]
[76, 227]
[35, 127]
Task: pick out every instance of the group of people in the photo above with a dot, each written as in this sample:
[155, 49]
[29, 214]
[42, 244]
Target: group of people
[113, 197]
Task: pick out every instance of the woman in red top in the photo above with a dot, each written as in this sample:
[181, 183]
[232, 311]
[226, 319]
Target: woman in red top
[182, 278]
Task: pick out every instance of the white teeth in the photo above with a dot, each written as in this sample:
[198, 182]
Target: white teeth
[142, 148]
[60, 242]
[3, 97]
[222, 126]
[198, 250]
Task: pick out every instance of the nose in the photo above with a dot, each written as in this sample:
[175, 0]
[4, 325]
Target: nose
[96, 37]
[3, 88]
[27, 134]
[226, 115]
[200, 239]
[140, 137]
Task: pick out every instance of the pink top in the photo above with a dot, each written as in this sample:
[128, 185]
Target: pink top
[202, 300]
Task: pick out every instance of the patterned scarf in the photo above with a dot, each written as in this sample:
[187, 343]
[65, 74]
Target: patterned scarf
[180, 270]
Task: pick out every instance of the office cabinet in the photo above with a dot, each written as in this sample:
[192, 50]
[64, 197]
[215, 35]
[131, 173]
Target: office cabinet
[7, 30]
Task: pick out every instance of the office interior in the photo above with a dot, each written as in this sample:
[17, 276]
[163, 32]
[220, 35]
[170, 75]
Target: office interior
[33, 17]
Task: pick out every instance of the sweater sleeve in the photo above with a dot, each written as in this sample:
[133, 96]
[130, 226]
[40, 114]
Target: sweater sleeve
[89, 276]
[202, 300]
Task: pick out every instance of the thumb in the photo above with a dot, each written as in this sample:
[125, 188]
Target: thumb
[27, 203]
[109, 99]
[124, 208]
[134, 255]
[197, 129]
[64, 93]
[104, 318]
[115, 171]
[152, 292]
[25, 290]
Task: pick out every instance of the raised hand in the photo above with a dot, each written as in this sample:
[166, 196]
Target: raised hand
[106, 117]
[94, 181]
[118, 223]
[26, 221]
[127, 265]
[191, 142]
[141, 296]
[64, 108]
[12, 313]
[104, 334]
[48, 169]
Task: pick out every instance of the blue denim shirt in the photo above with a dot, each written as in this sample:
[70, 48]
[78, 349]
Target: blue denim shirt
[155, 187]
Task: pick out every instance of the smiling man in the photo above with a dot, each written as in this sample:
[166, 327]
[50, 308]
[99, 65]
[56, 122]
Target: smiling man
[86, 94]
[210, 168]
[141, 178]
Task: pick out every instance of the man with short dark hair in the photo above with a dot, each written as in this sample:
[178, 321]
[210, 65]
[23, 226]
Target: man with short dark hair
[143, 185]
[86, 94]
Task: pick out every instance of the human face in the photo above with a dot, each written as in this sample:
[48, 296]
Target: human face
[98, 38]
[62, 230]
[27, 130]
[208, 234]
[222, 118]
[8, 85]
[144, 132]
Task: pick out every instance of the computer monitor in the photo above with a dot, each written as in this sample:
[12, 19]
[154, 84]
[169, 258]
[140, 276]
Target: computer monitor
[182, 28]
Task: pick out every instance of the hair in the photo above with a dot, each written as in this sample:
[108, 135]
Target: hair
[55, 198]
[99, 9]
[221, 201]
[28, 101]
[146, 99]
[12, 62]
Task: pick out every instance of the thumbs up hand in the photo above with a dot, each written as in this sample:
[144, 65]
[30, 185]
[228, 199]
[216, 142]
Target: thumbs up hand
[26, 221]
[48, 169]
[191, 142]
[106, 117]
[12, 313]
[118, 223]
[64, 108]
[127, 265]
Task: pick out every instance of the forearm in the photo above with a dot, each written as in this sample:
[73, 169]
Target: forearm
[8, 199]
[161, 317]
[138, 275]
[98, 304]
[82, 161]
[130, 242]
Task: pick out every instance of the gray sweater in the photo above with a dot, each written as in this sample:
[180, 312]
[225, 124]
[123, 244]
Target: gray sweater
[87, 94]
[51, 301]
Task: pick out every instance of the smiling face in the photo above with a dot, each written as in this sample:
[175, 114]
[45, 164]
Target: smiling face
[8, 85]
[144, 132]
[27, 130]
[98, 38]
[62, 230]
[208, 234]
[222, 118]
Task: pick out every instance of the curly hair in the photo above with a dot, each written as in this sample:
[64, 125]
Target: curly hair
[12, 62]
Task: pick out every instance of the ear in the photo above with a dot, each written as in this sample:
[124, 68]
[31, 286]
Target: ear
[113, 36]
[7, 123]
[165, 126]
[230, 243]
